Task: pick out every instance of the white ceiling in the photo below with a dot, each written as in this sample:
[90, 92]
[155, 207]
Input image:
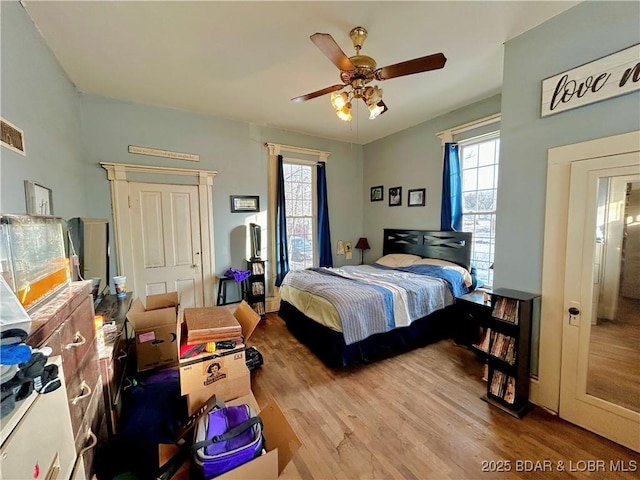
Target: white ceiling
[246, 60]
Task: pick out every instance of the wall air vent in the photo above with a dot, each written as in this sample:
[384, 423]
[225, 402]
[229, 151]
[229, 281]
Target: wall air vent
[12, 137]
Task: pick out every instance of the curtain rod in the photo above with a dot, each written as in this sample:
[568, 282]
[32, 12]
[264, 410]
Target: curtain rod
[447, 135]
[276, 148]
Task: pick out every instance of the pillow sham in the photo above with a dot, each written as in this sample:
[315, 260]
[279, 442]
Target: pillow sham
[444, 263]
[395, 260]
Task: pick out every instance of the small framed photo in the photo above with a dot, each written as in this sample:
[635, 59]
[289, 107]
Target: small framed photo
[245, 203]
[377, 193]
[417, 197]
[39, 199]
[395, 196]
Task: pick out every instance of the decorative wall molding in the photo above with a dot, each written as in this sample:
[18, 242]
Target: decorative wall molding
[446, 136]
[154, 152]
[276, 149]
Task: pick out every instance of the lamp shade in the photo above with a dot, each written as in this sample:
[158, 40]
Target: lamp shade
[363, 243]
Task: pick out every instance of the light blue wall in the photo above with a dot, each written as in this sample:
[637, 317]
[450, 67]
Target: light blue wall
[580, 35]
[37, 97]
[411, 159]
[234, 149]
[68, 134]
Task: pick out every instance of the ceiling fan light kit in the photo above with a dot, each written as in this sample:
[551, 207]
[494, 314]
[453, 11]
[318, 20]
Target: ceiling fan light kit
[359, 70]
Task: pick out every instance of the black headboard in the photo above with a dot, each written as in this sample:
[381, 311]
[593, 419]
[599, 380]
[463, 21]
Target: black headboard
[451, 246]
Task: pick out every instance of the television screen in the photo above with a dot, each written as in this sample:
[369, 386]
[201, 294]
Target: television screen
[255, 238]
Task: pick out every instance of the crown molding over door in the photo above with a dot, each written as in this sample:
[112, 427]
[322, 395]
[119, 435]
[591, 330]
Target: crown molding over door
[119, 178]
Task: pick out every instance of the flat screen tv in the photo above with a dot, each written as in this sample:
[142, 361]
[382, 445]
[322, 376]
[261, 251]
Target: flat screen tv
[255, 238]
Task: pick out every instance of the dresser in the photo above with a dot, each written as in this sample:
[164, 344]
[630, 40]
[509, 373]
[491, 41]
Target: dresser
[66, 324]
[115, 351]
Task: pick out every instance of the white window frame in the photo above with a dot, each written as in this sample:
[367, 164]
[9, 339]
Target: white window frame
[314, 203]
[461, 145]
[275, 149]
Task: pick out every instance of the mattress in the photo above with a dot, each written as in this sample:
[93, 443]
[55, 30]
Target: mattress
[360, 301]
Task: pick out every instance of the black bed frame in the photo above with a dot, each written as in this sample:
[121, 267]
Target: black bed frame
[330, 346]
[451, 246]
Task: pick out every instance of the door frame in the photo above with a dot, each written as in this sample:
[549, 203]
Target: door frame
[119, 182]
[546, 391]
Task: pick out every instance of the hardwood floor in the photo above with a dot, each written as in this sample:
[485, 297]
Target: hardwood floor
[417, 416]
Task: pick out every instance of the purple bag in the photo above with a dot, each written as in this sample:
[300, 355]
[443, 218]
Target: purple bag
[226, 438]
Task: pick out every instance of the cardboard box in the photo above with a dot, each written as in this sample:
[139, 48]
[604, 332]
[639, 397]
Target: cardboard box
[281, 443]
[155, 329]
[230, 389]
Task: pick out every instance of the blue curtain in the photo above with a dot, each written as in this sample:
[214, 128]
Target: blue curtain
[282, 252]
[325, 259]
[451, 213]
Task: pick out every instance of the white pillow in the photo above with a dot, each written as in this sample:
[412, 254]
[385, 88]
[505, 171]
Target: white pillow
[395, 260]
[453, 266]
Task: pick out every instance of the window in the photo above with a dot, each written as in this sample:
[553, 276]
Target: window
[479, 158]
[300, 195]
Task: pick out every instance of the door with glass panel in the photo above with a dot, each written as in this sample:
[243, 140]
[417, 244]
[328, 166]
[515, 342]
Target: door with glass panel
[600, 381]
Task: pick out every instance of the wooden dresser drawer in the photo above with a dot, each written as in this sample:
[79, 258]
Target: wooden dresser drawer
[82, 386]
[76, 336]
[87, 437]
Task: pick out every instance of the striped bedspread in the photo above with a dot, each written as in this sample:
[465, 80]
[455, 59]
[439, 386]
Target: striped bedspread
[373, 299]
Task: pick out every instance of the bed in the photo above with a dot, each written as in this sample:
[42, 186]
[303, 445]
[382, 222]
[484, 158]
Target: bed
[358, 314]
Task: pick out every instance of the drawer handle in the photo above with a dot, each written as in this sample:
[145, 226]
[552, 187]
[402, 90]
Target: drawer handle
[83, 387]
[78, 340]
[122, 355]
[94, 442]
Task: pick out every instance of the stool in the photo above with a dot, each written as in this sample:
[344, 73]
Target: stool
[222, 291]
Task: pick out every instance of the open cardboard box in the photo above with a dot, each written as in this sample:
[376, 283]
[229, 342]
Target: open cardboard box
[223, 372]
[281, 443]
[155, 328]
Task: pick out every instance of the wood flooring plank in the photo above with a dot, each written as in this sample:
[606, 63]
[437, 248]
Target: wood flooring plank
[415, 416]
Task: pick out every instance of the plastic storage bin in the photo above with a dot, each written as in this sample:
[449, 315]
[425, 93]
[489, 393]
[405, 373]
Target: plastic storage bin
[32, 257]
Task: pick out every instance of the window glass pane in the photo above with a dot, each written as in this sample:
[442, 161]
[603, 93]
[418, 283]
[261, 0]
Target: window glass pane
[486, 200]
[479, 185]
[485, 177]
[470, 180]
[487, 153]
[469, 201]
[470, 156]
[300, 195]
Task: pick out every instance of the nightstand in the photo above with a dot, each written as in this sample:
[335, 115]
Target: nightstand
[473, 311]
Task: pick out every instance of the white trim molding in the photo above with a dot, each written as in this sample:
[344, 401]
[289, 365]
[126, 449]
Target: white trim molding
[560, 159]
[446, 136]
[275, 149]
[203, 179]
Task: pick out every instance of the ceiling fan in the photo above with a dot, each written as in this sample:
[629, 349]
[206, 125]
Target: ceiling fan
[357, 71]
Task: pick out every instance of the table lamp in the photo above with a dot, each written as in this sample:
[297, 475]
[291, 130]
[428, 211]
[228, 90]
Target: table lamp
[362, 244]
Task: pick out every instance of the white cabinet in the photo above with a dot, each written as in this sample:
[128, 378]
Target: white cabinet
[37, 437]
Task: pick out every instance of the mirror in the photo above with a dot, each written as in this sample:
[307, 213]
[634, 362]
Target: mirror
[614, 344]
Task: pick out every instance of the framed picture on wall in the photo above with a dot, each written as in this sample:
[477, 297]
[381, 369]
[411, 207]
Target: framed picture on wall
[39, 199]
[395, 196]
[245, 203]
[377, 193]
[417, 197]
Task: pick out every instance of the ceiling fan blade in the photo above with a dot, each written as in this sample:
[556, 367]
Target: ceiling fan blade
[417, 65]
[319, 93]
[332, 50]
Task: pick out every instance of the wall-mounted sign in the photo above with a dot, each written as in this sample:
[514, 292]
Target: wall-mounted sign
[163, 153]
[607, 77]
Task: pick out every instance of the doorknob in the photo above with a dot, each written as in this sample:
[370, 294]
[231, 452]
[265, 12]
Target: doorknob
[574, 311]
[574, 314]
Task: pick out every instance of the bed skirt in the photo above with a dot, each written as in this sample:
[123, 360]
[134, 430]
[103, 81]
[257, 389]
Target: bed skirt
[329, 345]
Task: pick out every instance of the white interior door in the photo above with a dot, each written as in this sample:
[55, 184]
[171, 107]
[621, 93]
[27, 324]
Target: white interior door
[165, 230]
[600, 378]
